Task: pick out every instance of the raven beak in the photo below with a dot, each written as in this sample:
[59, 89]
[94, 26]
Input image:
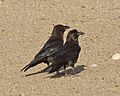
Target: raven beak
[66, 27]
[81, 33]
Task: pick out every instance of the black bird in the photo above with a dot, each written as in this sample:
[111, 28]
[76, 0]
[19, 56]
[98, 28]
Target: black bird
[51, 47]
[68, 55]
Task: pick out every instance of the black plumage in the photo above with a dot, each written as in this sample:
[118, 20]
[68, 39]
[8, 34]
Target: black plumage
[68, 55]
[51, 47]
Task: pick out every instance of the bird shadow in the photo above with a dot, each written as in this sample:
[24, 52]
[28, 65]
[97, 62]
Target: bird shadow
[35, 73]
[78, 69]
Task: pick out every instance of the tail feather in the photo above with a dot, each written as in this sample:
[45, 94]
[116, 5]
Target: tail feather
[25, 68]
[32, 64]
[28, 66]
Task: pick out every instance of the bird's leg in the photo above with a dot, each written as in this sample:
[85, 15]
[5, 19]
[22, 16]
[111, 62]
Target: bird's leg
[58, 73]
[73, 69]
[65, 70]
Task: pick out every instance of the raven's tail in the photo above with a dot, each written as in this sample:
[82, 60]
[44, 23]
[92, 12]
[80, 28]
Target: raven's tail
[32, 64]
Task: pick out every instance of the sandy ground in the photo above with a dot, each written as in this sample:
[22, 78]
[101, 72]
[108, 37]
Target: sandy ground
[25, 25]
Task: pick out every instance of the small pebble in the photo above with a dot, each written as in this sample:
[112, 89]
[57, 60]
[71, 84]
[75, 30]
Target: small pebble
[116, 56]
[93, 65]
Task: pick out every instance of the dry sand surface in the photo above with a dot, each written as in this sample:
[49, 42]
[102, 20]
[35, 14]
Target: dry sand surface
[25, 25]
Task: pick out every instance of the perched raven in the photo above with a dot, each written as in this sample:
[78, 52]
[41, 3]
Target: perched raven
[68, 55]
[51, 47]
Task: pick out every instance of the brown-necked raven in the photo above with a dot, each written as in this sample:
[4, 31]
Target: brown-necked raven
[68, 55]
[51, 47]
